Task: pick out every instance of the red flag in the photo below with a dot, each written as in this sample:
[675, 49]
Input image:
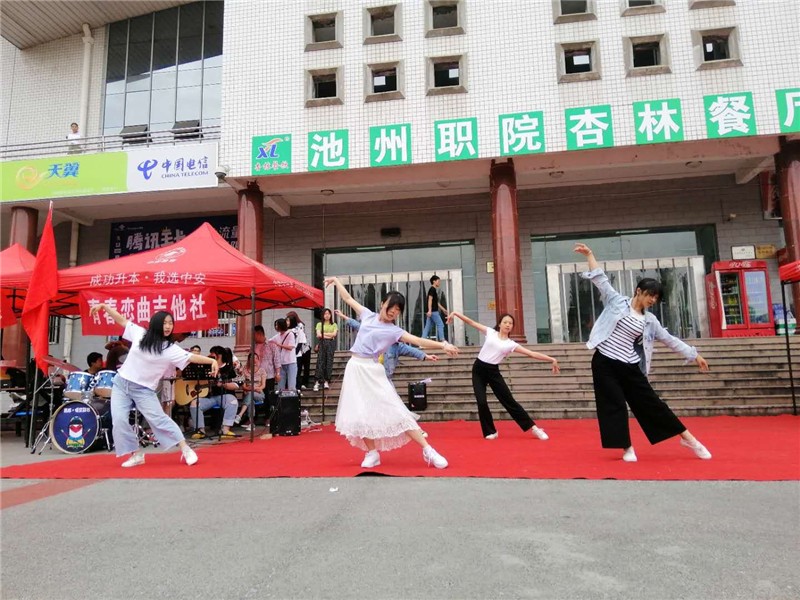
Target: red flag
[43, 287]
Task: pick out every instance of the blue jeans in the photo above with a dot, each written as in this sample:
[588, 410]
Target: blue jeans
[436, 317]
[229, 405]
[124, 396]
[288, 377]
[248, 397]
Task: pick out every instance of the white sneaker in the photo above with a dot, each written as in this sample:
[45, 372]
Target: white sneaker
[247, 427]
[136, 459]
[539, 433]
[698, 448]
[371, 459]
[316, 387]
[326, 386]
[493, 436]
[630, 455]
[188, 455]
[432, 457]
[237, 419]
[302, 387]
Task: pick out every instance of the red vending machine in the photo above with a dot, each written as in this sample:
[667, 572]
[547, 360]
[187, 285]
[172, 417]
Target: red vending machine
[739, 300]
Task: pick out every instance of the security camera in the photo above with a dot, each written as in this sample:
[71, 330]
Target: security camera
[222, 171]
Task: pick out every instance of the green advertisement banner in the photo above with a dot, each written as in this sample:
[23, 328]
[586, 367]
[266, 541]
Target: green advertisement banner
[61, 176]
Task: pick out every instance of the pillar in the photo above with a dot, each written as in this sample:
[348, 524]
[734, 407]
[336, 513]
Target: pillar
[787, 163]
[24, 228]
[251, 244]
[505, 243]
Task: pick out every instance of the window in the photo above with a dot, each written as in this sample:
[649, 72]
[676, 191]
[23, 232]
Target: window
[54, 330]
[716, 48]
[694, 4]
[382, 24]
[163, 68]
[646, 55]
[444, 17]
[446, 75]
[323, 32]
[569, 11]
[384, 82]
[578, 62]
[641, 7]
[323, 87]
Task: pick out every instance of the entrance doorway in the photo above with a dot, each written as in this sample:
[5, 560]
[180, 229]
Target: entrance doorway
[368, 289]
[575, 303]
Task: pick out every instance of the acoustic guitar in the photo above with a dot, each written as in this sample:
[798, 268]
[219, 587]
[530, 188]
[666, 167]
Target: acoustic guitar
[187, 391]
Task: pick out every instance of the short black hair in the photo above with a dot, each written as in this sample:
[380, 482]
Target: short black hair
[92, 358]
[651, 287]
[435, 278]
[258, 329]
[280, 325]
[393, 299]
[199, 349]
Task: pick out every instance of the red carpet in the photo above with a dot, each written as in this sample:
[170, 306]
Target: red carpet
[744, 448]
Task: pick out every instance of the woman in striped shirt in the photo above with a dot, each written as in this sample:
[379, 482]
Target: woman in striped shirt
[623, 336]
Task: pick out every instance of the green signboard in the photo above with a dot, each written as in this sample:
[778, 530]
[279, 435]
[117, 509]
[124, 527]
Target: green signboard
[271, 154]
[390, 145]
[521, 133]
[658, 121]
[788, 109]
[729, 115]
[62, 176]
[589, 127]
[328, 150]
[456, 139]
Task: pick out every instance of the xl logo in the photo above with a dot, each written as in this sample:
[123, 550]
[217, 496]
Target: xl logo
[269, 149]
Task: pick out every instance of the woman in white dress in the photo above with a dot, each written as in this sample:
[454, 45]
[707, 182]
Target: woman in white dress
[370, 413]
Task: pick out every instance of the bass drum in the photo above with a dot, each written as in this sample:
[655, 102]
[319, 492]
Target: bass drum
[77, 426]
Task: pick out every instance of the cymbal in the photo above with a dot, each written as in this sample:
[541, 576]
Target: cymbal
[61, 364]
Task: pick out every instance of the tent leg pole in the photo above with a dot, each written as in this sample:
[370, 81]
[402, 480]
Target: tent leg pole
[251, 364]
[788, 347]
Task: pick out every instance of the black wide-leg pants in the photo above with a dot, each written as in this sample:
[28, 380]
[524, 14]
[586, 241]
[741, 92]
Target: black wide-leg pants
[484, 374]
[617, 383]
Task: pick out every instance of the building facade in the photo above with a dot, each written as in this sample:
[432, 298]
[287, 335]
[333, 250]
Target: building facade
[388, 141]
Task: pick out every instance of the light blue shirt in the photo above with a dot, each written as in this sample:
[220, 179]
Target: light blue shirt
[374, 336]
[615, 307]
[392, 356]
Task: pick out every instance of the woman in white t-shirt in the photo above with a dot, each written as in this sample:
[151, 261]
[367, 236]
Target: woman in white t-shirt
[370, 414]
[152, 353]
[286, 342]
[485, 371]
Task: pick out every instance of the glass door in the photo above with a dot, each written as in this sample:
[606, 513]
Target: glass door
[368, 290]
[757, 300]
[731, 293]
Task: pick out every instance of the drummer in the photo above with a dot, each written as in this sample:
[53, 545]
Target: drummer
[95, 361]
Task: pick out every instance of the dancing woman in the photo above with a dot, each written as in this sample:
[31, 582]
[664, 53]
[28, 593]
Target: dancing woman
[152, 352]
[486, 371]
[370, 413]
[623, 336]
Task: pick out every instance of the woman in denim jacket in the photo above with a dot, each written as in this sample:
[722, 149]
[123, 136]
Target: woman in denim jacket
[623, 336]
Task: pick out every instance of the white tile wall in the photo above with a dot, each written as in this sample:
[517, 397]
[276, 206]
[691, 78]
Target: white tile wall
[41, 89]
[510, 48]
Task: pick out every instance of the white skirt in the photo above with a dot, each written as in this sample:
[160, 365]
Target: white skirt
[369, 407]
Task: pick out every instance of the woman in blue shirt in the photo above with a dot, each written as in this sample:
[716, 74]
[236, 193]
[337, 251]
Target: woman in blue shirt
[623, 336]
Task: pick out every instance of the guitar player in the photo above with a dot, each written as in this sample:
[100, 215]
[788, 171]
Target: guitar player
[220, 394]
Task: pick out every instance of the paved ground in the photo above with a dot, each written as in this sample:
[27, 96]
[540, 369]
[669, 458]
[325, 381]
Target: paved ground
[377, 537]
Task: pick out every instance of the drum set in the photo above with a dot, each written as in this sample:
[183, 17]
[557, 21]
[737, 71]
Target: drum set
[83, 421]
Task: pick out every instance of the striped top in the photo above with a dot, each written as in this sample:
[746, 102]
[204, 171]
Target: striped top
[620, 344]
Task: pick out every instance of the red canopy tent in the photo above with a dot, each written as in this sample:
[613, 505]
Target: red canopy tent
[203, 258]
[16, 266]
[789, 274]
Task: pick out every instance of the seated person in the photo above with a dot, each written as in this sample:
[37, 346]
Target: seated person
[117, 353]
[220, 394]
[253, 387]
[95, 361]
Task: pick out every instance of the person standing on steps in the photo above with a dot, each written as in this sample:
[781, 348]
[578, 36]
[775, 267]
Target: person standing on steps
[370, 413]
[434, 310]
[486, 371]
[623, 337]
[152, 352]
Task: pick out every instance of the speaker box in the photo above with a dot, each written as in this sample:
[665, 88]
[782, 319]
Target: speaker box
[285, 419]
[417, 396]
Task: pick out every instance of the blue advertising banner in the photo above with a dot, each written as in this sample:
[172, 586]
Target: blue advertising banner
[135, 236]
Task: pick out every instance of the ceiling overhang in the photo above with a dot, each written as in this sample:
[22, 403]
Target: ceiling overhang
[29, 23]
